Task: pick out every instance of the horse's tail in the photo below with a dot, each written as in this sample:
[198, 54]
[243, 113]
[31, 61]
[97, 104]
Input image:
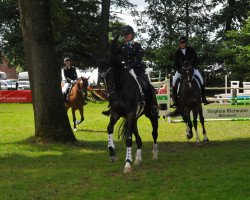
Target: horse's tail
[123, 129]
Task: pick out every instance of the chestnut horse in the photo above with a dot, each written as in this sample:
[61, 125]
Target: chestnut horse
[76, 98]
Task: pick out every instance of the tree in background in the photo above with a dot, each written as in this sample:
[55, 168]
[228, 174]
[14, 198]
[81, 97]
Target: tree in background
[51, 121]
[236, 52]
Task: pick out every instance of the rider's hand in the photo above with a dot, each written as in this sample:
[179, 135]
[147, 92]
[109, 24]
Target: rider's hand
[72, 81]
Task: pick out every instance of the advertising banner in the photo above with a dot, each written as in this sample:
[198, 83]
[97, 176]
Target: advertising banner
[15, 96]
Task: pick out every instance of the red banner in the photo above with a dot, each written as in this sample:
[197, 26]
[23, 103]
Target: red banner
[15, 96]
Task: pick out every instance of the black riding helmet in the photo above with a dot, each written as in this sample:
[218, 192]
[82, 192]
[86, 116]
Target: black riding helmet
[127, 30]
[183, 39]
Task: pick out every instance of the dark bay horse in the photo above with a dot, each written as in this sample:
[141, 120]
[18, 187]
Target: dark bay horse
[190, 100]
[124, 97]
[76, 99]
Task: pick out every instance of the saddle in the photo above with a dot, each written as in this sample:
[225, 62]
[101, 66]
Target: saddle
[178, 83]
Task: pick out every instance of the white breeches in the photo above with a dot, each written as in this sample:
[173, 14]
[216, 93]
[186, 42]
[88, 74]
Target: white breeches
[197, 73]
[135, 77]
[178, 75]
[65, 87]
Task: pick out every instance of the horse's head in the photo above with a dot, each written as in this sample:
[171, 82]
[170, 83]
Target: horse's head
[111, 68]
[105, 72]
[187, 72]
[81, 85]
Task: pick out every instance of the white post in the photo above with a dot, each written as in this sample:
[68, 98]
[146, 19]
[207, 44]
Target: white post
[225, 84]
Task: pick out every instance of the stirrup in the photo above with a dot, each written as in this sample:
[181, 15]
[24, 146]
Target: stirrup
[173, 106]
[205, 101]
[175, 113]
[106, 113]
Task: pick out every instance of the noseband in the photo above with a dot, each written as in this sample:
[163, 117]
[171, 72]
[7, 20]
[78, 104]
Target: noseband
[81, 90]
[103, 76]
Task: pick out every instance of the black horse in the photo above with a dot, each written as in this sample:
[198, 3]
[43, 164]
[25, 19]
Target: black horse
[190, 100]
[124, 96]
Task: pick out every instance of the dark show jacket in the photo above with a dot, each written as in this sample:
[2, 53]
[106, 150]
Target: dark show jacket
[190, 55]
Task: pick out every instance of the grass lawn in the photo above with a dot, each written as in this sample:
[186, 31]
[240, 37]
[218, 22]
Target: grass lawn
[217, 170]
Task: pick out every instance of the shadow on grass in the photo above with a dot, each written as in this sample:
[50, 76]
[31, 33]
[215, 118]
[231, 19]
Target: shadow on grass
[101, 146]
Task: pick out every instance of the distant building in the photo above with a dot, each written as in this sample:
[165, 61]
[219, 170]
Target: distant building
[10, 71]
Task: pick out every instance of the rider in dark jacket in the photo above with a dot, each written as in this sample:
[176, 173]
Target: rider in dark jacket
[185, 53]
[131, 54]
[70, 76]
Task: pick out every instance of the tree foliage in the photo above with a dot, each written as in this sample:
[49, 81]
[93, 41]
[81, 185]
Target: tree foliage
[236, 52]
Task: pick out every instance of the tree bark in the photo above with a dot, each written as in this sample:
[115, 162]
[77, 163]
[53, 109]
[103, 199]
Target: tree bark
[104, 27]
[51, 120]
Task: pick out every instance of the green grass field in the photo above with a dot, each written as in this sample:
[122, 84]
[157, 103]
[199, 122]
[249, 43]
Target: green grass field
[217, 170]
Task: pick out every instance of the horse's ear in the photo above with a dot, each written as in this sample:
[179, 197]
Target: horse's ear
[88, 78]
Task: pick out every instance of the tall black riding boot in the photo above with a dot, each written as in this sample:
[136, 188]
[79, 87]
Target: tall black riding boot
[203, 97]
[175, 97]
[65, 97]
[152, 100]
[177, 110]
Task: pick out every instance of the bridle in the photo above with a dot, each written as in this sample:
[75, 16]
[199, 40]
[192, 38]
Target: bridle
[81, 90]
[187, 71]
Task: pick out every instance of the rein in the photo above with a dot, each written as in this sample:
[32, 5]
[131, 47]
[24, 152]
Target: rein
[103, 76]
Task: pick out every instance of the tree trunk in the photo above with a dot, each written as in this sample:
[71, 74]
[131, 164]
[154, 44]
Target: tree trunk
[104, 29]
[51, 120]
[230, 13]
[187, 18]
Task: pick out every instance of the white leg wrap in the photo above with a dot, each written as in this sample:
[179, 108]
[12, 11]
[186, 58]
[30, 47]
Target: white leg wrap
[111, 141]
[197, 136]
[155, 151]
[138, 158]
[135, 77]
[129, 154]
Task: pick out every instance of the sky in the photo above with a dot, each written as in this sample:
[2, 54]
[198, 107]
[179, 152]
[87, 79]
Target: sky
[128, 19]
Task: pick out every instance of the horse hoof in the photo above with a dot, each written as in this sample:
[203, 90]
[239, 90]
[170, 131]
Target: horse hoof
[137, 161]
[112, 159]
[127, 168]
[189, 136]
[205, 140]
[198, 144]
[155, 154]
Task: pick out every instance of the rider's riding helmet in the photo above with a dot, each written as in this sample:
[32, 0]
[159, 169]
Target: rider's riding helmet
[183, 39]
[127, 30]
[66, 59]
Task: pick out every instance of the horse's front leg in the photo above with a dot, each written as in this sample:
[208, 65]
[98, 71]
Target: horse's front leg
[82, 116]
[202, 121]
[195, 115]
[189, 124]
[138, 141]
[74, 118]
[154, 123]
[111, 145]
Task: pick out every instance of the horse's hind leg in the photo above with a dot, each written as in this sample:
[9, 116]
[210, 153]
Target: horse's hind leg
[138, 157]
[111, 145]
[195, 115]
[205, 138]
[129, 128]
